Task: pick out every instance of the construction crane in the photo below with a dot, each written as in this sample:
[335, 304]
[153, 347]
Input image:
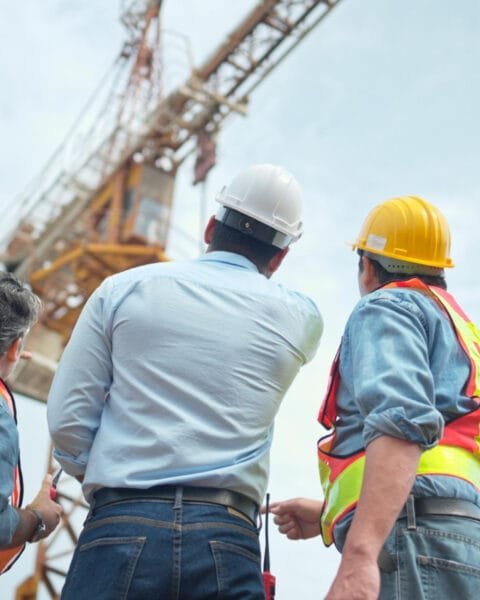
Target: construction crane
[103, 202]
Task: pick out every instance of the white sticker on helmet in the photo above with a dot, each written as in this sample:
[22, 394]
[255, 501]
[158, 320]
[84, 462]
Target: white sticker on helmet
[376, 242]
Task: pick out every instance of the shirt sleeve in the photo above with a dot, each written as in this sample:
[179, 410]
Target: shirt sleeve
[80, 386]
[392, 382]
[310, 326]
[9, 517]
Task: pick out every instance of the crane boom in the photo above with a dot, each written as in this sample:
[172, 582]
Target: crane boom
[167, 126]
[103, 202]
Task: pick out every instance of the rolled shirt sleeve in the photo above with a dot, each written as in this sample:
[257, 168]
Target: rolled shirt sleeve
[392, 382]
[9, 517]
[9, 520]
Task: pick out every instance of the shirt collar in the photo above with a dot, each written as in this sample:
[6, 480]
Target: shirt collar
[229, 258]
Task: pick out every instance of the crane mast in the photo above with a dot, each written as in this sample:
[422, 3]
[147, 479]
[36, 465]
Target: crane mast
[103, 202]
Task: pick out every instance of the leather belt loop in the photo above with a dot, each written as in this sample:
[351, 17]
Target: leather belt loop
[178, 498]
[410, 506]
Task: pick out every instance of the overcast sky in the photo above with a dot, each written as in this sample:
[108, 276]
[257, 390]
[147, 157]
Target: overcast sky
[380, 100]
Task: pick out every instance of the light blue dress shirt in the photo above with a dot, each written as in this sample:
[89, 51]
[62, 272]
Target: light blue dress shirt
[174, 374]
[9, 451]
[403, 374]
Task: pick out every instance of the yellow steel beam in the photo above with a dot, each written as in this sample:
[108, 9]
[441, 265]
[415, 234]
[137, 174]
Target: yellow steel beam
[92, 249]
[57, 264]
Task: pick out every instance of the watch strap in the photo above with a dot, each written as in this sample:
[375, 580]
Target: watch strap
[40, 527]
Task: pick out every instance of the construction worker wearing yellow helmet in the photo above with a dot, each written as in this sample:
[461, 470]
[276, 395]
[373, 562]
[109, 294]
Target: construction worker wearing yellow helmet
[400, 465]
[164, 402]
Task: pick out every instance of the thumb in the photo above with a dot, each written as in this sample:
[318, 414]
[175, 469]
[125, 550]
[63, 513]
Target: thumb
[283, 506]
[263, 509]
[271, 507]
[47, 483]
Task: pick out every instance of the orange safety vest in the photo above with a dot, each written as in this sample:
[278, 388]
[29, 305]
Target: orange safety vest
[9, 556]
[457, 453]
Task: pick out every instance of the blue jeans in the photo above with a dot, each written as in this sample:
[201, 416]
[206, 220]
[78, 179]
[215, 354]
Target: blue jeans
[164, 550]
[438, 558]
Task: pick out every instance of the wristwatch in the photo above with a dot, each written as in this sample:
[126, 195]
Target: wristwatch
[40, 529]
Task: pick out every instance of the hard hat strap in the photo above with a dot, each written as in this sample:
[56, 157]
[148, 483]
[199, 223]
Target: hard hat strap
[250, 226]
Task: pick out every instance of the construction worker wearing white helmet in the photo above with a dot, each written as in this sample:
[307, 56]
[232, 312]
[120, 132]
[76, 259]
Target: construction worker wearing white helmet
[400, 466]
[164, 401]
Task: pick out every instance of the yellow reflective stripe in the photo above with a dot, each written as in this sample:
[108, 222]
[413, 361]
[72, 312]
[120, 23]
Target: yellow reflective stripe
[345, 490]
[339, 494]
[470, 335]
[451, 460]
[324, 471]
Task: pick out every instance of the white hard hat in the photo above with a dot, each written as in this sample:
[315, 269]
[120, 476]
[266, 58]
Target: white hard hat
[271, 196]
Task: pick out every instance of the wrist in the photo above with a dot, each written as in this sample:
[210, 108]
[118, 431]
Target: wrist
[364, 548]
[40, 528]
[360, 553]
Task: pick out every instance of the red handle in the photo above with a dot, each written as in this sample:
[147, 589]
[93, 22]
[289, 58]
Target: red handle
[269, 585]
[53, 488]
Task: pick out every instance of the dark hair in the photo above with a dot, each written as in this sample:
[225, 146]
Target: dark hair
[385, 276]
[230, 240]
[19, 309]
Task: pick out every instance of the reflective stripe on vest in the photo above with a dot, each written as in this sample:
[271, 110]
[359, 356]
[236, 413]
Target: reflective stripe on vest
[9, 556]
[469, 337]
[456, 455]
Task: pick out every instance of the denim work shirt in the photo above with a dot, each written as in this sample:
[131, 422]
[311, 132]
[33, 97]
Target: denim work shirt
[174, 374]
[9, 451]
[403, 374]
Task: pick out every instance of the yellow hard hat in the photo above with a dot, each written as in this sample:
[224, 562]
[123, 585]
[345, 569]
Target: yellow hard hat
[408, 229]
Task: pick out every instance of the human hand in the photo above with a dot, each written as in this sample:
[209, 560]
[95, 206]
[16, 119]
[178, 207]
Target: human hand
[51, 511]
[25, 355]
[357, 579]
[298, 518]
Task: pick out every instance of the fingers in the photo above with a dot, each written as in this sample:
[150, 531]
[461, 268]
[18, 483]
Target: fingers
[25, 355]
[285, 506]
[272, 507]
[282, 518]
[55, 512]
[287, 526]
[278, 507]
[58, 508]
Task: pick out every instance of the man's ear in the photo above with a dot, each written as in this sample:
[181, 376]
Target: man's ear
[14, 350]
[368, 275]
[368, 268]
[209, 229]
[277, 260]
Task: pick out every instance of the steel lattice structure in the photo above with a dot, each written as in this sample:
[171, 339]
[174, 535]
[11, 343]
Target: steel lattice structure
[81, 219]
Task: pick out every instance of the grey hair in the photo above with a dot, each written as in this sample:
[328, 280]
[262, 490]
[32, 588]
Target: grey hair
[19, 309]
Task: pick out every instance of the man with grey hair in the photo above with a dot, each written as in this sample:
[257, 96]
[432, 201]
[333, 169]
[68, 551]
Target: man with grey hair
[19, 309]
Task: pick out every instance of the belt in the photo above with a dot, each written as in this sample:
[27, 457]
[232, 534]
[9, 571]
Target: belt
[228, 498]
[430, 507]
[451, 507]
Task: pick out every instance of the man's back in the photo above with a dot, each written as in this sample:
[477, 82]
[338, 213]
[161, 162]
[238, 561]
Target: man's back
[164, 400]
[196, 358]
